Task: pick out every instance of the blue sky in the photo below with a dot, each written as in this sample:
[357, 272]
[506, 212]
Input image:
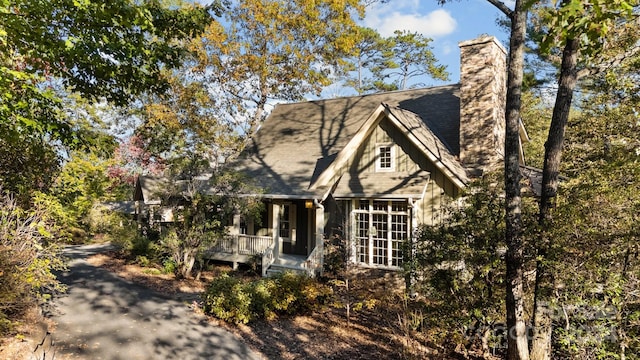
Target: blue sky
[447, 25]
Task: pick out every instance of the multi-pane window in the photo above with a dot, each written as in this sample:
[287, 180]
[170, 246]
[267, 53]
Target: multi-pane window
[244, 226]
[385, 158]
[285, 223]
[381, 227]
[362, 236]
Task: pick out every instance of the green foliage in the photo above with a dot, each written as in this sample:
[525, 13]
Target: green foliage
[589, 21]
[387, 64]
[50, 51]
[226, 299]
[233, 300]
[82, 183]
[595, 227]
[100, 49]
[461, 262]
[536, 116]
[28, 257]
[169, 266]
[142, 246]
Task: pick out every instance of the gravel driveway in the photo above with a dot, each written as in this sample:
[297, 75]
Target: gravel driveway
[105, 317]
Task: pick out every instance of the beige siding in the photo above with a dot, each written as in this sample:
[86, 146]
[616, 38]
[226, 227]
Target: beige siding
[408, 159]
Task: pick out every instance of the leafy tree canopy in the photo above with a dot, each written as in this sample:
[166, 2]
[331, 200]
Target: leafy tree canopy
[386, 64]
[49, 50]
[274, 51]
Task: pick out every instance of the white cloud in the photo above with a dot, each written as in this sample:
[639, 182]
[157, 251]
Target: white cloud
[433, 24]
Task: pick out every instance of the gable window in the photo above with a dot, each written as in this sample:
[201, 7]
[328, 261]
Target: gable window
[385, 157]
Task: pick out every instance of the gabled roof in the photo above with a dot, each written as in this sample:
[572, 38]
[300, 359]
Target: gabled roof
[300, 142]
[414, 128]
[153, 189]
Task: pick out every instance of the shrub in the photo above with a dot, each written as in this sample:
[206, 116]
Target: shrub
[233, 300]
[226, 299]
[28, 256]
[169, 266]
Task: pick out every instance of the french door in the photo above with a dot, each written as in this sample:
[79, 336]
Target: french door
[381, 227]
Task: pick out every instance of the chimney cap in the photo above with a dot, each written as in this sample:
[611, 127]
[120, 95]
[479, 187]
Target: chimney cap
[483, 39]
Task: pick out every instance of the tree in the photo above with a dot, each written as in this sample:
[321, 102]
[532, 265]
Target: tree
[412, 58]
[49, 50]
[267, 51]
[586, 33]
[517, 347]
[201, 214]
[598, 217]
[387, 64]
[516, 327]
[182, 129]
[372, 55]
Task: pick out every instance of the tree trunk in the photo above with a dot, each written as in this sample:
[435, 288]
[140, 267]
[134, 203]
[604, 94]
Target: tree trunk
[517, 346]
[542, 322]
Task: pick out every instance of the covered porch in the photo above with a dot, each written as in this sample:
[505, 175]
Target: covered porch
[288, 237]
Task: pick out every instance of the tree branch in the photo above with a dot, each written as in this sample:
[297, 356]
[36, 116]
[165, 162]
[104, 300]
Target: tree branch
[502, 7]
[616, 61]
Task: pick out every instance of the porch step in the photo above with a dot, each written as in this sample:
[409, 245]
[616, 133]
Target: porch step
[280, 268]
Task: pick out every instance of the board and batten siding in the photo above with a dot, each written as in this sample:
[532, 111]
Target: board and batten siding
[408, 159]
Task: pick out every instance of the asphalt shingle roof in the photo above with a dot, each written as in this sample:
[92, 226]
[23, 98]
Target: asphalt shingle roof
[298, 141]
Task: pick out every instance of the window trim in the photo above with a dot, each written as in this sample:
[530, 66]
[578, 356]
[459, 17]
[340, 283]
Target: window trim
[368, 211]
[392, 155]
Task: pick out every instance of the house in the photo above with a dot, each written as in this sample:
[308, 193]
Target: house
[156, 198]
[372, 167]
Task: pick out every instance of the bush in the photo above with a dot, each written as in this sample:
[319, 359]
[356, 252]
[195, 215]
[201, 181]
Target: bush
[169, 266]
[28, 257]
[233, 300]
[227, 300]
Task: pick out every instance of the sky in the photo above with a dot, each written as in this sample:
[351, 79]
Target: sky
[446, 25]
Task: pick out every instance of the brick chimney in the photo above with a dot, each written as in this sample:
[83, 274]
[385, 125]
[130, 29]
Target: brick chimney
[483, 75]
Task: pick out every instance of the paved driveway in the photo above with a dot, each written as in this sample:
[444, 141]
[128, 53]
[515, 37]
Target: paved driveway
[105, 317]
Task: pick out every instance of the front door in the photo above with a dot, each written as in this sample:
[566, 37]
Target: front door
[287, 227]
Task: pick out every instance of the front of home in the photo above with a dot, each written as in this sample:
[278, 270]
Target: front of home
[373, 168]
[369, 169]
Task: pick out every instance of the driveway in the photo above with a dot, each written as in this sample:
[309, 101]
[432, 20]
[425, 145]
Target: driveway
[102, 316]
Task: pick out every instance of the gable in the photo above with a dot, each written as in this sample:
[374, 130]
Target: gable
[298, 143]
[407, 177]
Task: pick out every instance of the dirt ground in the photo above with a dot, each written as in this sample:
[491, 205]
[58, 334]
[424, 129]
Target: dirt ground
[376, 333]
[381, 332]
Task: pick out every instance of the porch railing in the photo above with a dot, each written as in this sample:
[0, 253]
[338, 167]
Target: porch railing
[313, 264]
[242, 244]
[253, 244]
[267, 258]
[223, 245]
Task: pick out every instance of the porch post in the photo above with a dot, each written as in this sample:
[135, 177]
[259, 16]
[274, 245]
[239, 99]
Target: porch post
[275, 229]
[235, 230]
[320, 232]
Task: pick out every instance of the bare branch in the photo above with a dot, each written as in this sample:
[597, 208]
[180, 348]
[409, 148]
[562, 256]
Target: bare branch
[502, 7]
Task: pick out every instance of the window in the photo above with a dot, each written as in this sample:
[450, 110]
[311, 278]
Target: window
[385, 158]
[380, 229]
[285, 222]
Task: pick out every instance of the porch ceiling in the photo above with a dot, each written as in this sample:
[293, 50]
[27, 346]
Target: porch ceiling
[381, 185]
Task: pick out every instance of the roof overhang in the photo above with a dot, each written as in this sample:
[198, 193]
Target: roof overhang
[383, 111]
[382, 185]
